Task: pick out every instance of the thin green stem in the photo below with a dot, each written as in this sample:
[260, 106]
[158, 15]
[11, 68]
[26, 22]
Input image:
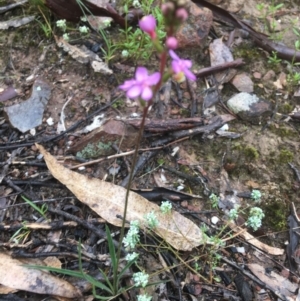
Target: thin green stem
[140, 134]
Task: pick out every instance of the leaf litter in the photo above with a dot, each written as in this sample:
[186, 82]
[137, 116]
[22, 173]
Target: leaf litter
[17, 276]
[107, 200]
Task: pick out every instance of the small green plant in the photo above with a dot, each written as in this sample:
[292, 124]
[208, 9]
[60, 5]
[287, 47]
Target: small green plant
[41, 210]
[137, 44]
[273, 59]
[21, 235]
[269, 11]
[46, 28]
[256, 195]
[110, 48]
[255, 217]
[297, 33]
[119, 104]
[166, 207]
[110, 288]
[214, 200]
[293, 79]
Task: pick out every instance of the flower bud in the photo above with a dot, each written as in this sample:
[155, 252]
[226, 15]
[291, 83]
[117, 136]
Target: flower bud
[148, 25]
[167, 8]
[181, 14]
[171, 43]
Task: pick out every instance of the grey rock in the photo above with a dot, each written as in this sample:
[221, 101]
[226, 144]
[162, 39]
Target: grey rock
[29, 114]
[249, 107]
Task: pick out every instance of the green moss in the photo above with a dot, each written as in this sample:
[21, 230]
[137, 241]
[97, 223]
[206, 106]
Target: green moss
[95, 150]
[251, 153]
[283, 131]
[276, 213]
[246, 51]
[119, 104]
[286, 108]
[285, 156]
[184, 113]
[237, 146]
[184, 169]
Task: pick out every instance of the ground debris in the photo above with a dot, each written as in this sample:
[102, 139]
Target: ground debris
[16, 22]
[15, 275]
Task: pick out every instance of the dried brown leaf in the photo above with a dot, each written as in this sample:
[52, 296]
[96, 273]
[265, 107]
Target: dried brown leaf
[255, 242]
[274, 280]
[107, 200]
[16, 276]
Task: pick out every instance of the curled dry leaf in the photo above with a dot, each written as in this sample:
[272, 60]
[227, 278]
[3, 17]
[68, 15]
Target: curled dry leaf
[107, 200]
[255, 242]
[16, 276]
[275, 281]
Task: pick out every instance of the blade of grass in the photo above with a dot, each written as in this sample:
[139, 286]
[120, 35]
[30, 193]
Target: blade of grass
[34, 206]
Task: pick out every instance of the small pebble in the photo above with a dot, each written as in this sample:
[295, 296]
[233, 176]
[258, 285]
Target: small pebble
[60, 152]
[257, 75]
[215, 220]
[184, 204]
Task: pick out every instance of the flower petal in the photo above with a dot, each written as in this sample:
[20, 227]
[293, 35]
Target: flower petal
[147, 93]
[127, 84]
[176, 67]
[141, 74]
[187, 63]
[173, 55]
[134, 91]
[189, 74]
[153, 79]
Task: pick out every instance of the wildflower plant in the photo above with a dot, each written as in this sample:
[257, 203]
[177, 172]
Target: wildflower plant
[140, 279]
[84, 29]
[110, 288]
[132, 237]
[62, 24]
[142, 88]
[132, 256]
[214, 200]
[165, 207]
[151, 220]
[66, 37]
[255, 195]
[233, 214]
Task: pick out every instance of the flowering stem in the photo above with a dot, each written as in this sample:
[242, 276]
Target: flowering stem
[138, 140]
[162, 66]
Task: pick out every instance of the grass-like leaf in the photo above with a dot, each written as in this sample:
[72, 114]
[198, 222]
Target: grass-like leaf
[41, 211]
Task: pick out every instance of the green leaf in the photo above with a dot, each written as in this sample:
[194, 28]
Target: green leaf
[127, 266]
[97, 283]
[279, 6]
[34, 206]
[106, 279]
[111, 248]
[56, 270]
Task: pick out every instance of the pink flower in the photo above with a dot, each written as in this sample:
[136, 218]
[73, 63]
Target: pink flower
[148, 25]
[182, 14]
[181, 67]
[171, 43]
[141, 85]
